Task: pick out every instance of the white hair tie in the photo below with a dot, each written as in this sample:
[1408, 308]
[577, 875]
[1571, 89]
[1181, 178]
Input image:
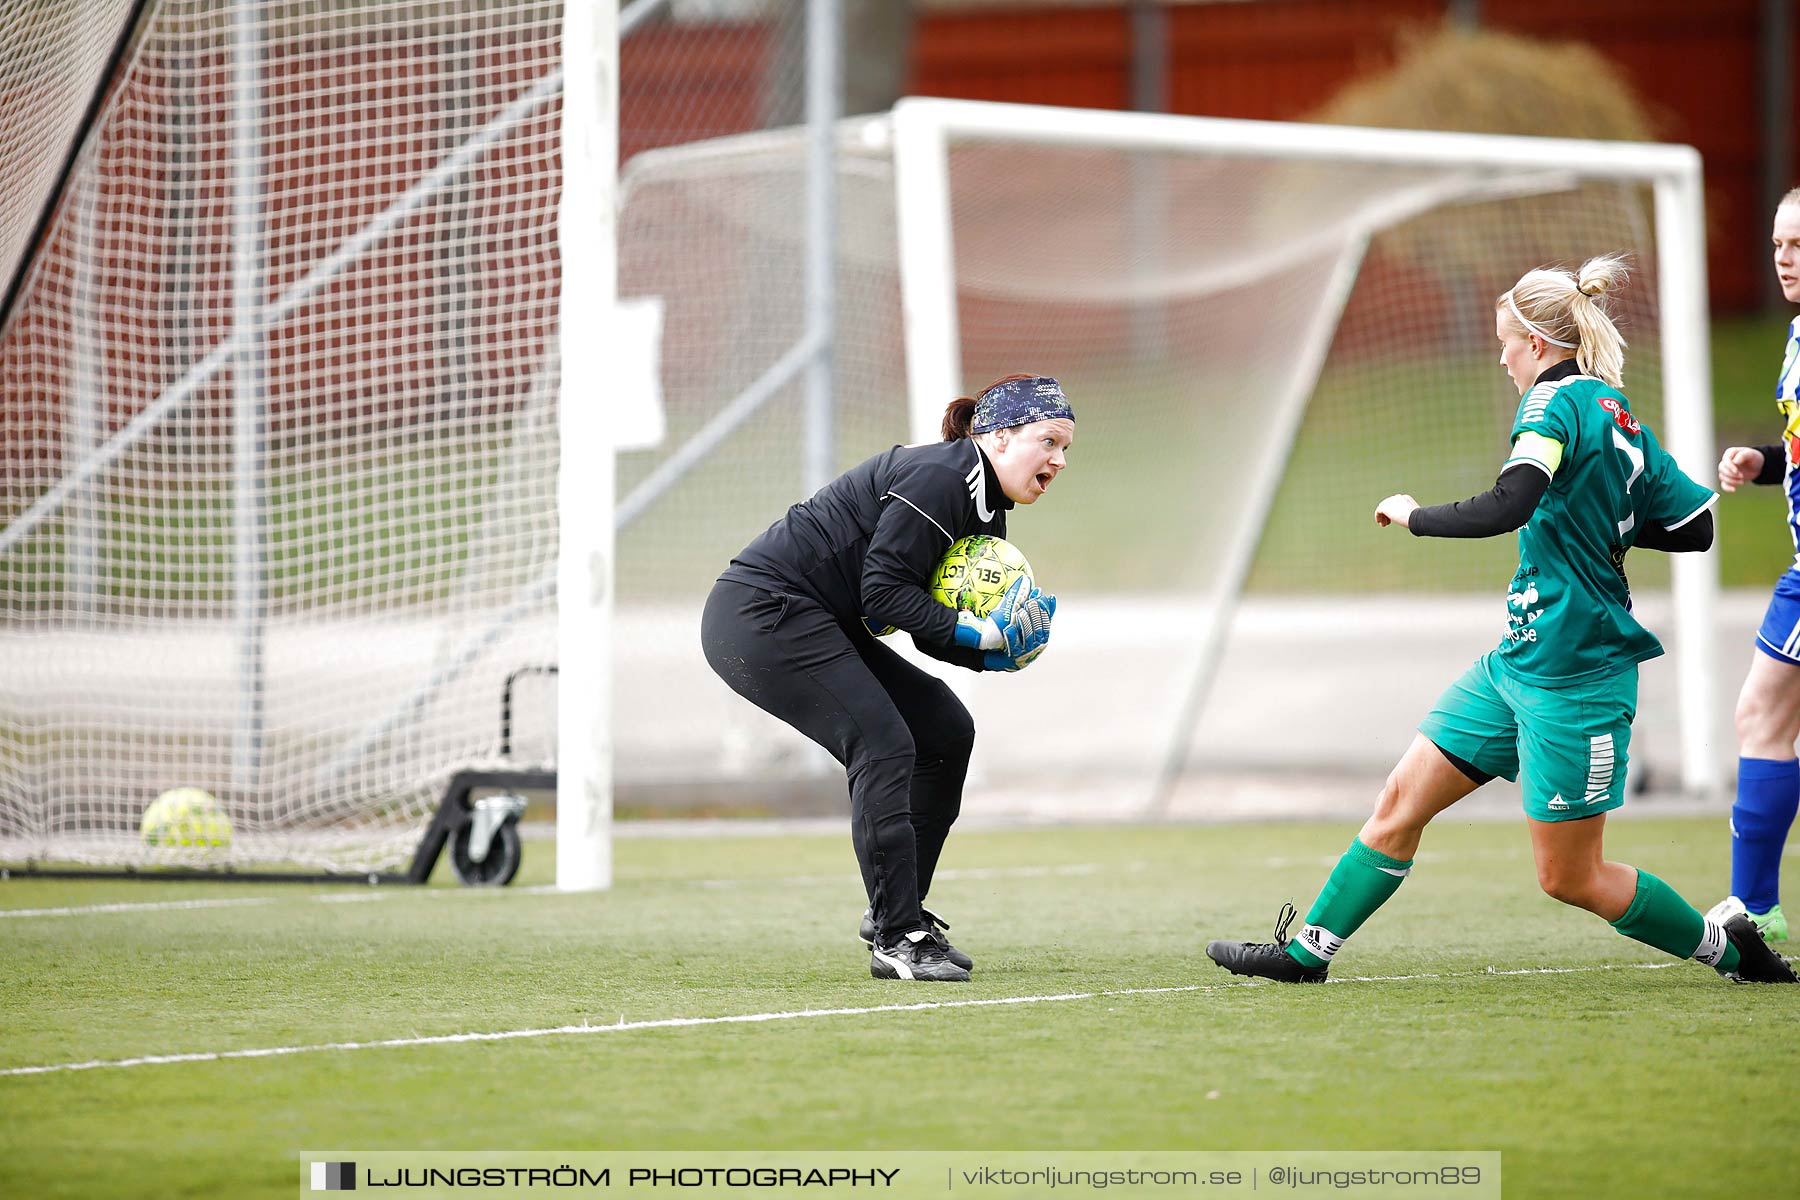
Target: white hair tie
[1530, 328]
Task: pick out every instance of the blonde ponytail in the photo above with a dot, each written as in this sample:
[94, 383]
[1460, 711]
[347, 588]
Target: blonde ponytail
[1602, 351]
[1568, 309]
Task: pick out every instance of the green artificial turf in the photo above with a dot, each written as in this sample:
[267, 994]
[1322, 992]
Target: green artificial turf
[1590, 1073]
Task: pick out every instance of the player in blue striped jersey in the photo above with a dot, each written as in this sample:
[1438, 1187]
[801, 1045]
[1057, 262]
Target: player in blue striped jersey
[1585, 482]
[1768, 706]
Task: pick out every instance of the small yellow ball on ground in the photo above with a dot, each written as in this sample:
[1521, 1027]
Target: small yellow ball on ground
[185, 816]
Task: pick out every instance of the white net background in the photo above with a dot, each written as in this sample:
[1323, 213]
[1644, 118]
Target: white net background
[1175, 296]
[55, 53]
[282, 556]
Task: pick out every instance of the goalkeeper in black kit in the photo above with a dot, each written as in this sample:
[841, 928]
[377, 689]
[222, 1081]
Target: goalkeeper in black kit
[792, 626]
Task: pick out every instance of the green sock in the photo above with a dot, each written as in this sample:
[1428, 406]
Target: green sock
[1361, 882]
[1659, 917]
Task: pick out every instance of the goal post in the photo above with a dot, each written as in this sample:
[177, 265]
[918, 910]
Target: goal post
[1687, 387]
[942, 150]
[594, 346]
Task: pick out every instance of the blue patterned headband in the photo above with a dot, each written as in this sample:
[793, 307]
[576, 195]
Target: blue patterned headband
[1020, 402]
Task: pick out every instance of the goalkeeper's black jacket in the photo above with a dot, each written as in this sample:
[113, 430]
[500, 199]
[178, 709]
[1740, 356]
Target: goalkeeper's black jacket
[865, 545]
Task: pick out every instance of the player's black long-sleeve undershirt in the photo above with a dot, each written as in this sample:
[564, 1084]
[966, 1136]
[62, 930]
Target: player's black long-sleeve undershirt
[1697, 534]
[1501, 509]
[1514, 497]
[1774, 468]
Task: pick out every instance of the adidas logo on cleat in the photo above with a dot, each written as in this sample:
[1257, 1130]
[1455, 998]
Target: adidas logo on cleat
[1270, 960]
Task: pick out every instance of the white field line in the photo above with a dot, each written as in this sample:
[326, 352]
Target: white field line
[373, 894]
[624, 1026]
[85, 909]
[390, 891]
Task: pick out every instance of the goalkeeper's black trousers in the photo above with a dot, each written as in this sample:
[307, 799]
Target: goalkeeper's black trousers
[900, 733]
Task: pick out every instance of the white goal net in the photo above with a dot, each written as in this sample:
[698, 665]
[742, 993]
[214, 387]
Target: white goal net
[278, 420]
[1253, 322]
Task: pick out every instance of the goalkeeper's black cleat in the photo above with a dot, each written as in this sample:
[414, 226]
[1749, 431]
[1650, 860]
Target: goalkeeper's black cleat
[866, 931]
[1266, 960]
[1756, 962]
[916, 955]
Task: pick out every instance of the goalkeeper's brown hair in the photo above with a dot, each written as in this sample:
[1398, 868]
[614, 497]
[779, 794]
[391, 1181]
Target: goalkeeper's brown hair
[1570, 308]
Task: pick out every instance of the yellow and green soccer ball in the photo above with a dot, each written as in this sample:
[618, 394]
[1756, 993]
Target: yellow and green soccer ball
[976, 571]
[972, 576]
[185, 816]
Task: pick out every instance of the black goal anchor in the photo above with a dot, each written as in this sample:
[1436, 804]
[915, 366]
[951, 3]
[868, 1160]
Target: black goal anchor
[483, 835]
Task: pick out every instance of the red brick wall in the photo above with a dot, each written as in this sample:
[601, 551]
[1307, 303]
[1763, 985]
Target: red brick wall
[1077, 57]
[1696, 65]
[683, 83]
[1281, 61]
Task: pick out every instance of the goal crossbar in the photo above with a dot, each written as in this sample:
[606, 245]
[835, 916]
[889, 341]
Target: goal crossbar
[1297, 140]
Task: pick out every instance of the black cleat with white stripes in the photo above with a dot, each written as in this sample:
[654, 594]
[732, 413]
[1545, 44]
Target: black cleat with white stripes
[866, 931]
[916, 955]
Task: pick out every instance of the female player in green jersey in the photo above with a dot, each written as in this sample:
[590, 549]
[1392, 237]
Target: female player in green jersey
[1552, 706]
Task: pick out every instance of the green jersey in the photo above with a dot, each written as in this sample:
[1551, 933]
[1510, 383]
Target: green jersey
[1569, 607]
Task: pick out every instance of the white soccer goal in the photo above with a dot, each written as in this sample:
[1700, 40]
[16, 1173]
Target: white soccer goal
[1170, 230]
[1264, 328]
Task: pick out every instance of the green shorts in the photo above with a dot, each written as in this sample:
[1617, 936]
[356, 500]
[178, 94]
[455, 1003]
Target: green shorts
[1566, 745]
